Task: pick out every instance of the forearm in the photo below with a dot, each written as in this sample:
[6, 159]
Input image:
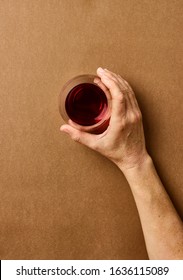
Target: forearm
[162, 227]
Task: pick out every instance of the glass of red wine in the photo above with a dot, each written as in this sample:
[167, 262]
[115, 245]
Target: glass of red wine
[86, 104]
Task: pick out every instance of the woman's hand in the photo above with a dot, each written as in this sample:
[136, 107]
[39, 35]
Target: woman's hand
[123, 142]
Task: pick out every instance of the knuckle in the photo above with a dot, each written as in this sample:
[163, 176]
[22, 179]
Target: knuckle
[120, 97]
[114, 84]
[134, 119]
[131, 93]
[94, 146]
[76, 138]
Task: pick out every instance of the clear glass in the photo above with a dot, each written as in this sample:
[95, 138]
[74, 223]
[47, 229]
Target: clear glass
[86, 104]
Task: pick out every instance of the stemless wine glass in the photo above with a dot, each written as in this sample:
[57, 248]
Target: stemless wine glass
[86, 104]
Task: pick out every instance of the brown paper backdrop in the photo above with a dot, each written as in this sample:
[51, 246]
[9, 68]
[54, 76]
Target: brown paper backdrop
[58, 199]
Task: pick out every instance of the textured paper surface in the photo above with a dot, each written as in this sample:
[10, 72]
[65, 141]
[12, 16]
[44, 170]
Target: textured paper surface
[60, 200]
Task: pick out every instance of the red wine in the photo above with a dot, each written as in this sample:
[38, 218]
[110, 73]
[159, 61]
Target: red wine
[86, 104]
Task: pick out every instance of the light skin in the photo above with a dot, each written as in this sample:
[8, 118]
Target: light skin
[123, 142]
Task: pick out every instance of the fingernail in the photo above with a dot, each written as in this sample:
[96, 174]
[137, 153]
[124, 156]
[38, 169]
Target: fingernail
[96, 80]
[100, 70]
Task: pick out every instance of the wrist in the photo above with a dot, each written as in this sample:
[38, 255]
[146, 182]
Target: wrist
[140, 170]
[136, 165]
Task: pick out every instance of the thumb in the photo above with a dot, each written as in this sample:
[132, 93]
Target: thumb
[82, 137]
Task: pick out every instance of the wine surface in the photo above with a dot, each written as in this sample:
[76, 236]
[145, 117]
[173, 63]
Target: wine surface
[86, 104]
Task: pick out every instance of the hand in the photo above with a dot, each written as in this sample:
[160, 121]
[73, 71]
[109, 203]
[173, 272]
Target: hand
[123, 141]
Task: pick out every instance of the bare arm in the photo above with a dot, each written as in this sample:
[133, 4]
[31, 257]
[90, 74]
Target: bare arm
[123, 143]
[162, 227]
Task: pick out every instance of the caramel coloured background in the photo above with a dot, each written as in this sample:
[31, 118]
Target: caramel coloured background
[59, 199]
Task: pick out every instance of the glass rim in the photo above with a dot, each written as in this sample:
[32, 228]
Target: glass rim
[67, 87]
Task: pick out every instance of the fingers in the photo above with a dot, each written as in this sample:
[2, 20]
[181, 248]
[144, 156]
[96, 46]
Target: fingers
[130, 97]
[118, 88]
[118, 100]
[135, 107]
[131, 94]
[111, 81]
[82, 137]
